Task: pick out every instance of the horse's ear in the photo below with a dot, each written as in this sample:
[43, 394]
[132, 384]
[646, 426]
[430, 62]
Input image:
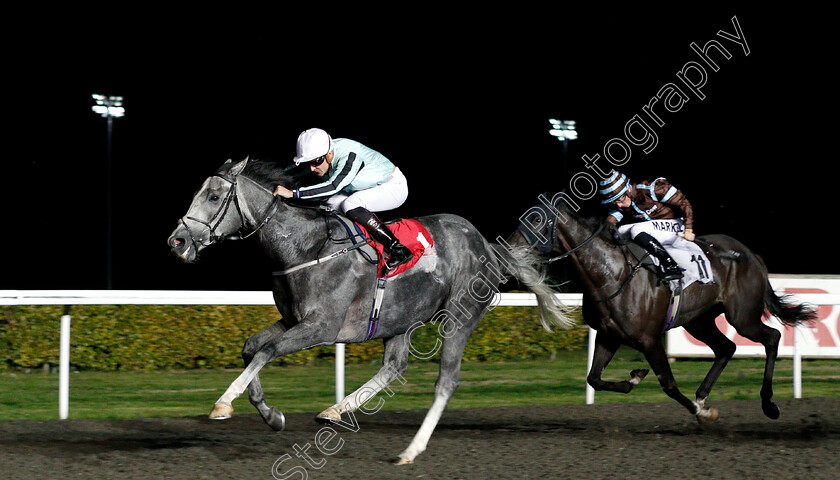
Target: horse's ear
[237, 169]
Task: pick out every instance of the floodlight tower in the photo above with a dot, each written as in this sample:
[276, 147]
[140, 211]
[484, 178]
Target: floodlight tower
[565, 131]
[109, 107]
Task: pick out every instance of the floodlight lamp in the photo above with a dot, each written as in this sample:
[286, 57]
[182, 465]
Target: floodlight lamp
[108, 106]
[563, 129]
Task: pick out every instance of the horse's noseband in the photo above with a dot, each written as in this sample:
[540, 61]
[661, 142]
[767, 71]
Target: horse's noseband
[538, 229]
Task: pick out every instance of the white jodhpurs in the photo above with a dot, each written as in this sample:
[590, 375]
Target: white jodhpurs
[665, 231]
[385, 196]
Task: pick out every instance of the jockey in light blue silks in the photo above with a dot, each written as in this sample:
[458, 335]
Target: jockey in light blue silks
[359, 181]
[652, 213]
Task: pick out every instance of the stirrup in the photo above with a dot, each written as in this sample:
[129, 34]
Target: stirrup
[399, 254]
[669, 275]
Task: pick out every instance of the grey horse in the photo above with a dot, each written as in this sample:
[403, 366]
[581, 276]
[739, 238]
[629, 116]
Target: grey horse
[329, 302]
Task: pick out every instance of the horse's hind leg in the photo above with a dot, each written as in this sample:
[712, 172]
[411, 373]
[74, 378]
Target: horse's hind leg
[394, 364]
[605, 348]
[749, 325]
[705, 330]
[445, 386]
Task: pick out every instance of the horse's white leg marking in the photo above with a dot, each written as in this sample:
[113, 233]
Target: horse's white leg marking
[239, 385]
[704, 413]
[352, 402]
[421, 439]
[362, 395]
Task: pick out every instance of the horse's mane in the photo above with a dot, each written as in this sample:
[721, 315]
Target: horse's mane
[267, 174]
[595, 221]
[591, 216]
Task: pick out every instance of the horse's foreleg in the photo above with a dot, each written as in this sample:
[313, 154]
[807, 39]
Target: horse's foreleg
[658, 360]
[270, 416]
[605, 348]
[223, 408]
[301, 336]
[394, 364]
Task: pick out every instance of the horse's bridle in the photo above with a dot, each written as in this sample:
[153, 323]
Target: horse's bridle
[230, 199]
[575, 249]
[545, 246]
[589, 239]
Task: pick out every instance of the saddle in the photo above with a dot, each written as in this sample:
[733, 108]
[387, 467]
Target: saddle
[700, 271]
[409, 232]
[694, 262]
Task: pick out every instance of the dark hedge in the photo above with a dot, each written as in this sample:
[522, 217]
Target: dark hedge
[148, 337]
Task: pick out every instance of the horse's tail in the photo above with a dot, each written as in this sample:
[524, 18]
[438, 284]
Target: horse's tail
[521, 262]
[780, 306]
[789, 313]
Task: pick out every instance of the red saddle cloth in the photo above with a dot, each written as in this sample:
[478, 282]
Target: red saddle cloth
[410, 233]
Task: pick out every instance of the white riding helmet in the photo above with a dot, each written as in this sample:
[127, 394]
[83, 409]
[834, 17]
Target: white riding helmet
[311, 144]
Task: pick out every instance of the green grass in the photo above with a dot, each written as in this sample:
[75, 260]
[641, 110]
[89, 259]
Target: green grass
[311, 388]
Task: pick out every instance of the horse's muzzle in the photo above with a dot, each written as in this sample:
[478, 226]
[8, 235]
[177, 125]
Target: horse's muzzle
[182, 244]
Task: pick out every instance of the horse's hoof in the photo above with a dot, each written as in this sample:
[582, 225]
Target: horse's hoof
[713, 414]
[276, 420]
[221, 411]
[771, 410]
[403, 461]
[708, 415]
[329, 416]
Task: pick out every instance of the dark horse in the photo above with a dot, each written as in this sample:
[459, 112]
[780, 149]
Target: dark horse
[329, 302]
[632, 311]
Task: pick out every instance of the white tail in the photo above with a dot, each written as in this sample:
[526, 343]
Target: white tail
[523, 263]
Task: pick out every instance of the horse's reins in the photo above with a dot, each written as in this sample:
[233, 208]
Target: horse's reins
[232, 199]
[583, 244]
[588, 240]
[320, 260]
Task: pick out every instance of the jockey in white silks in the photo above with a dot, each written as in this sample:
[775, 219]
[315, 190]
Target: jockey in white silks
[652, 213]
[359, 181]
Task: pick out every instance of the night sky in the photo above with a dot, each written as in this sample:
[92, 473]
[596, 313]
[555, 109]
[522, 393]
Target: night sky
[459, 101]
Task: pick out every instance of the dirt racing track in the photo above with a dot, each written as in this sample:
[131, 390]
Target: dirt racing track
[620, 441]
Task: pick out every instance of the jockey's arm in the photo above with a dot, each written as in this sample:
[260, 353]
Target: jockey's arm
[281, 191]
[680, 200]
[671, 195]
[614, 217]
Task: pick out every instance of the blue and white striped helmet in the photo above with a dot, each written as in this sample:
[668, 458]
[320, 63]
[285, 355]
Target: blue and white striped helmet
[613, 187]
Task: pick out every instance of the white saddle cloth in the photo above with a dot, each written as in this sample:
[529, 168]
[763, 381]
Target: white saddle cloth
[691, 258]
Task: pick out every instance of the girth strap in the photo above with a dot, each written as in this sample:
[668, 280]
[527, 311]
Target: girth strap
[373, 321]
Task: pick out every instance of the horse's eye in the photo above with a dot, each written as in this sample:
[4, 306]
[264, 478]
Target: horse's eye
[214, 197]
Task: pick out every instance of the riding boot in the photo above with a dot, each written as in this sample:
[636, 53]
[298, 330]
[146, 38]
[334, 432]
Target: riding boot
[669, 270]
[396, 252]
